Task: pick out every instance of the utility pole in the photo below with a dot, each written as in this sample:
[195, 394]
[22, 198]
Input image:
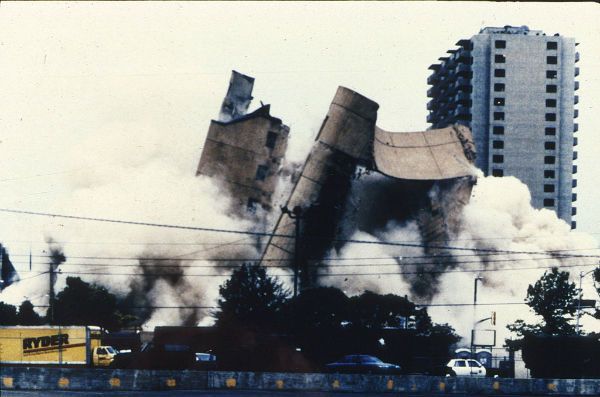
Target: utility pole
[51, 273]
[297, 215]
[581, 276]
[477, 278]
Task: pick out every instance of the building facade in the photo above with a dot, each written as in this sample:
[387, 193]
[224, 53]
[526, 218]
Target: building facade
[244, 151]
[516, 89]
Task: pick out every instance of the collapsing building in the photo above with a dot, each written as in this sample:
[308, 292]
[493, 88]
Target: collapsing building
[8, 274]
[429, 178]
[244, 151]
[422, 176]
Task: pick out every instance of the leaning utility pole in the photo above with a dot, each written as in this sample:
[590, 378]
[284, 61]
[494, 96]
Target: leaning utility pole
[297, 215]
[51, 273]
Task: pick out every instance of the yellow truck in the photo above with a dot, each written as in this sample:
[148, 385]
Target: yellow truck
[54, 345]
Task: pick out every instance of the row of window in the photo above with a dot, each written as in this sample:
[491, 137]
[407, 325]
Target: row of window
[263, 170]
[499, 116]
[548, 174]
[549, 160]
[501, 87]
[550, 103]
[499, 130]
[548, 145]
[550, 45]
[550, 203]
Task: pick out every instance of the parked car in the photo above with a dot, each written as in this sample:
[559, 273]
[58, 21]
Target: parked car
[361, 363]
[464, 367]
[151, 356]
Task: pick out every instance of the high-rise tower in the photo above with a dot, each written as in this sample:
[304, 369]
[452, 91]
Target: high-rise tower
[515, 88]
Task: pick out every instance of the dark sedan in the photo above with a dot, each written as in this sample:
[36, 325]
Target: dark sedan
[361, 363]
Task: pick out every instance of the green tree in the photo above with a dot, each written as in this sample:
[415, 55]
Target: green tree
[27, 315]
[251, 299]
[554, 298]
[371, 310]
[82, 303]
[8, 314]
[317, 308]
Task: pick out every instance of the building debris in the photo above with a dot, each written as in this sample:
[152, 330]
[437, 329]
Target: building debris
[244, 151]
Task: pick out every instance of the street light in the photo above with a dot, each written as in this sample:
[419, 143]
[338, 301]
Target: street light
[581, 276]
[477, 278]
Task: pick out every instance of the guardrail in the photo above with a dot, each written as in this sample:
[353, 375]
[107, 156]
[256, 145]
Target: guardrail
[35, 378]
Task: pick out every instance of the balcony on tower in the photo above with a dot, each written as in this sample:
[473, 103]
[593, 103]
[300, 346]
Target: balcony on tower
[462, 113]
[434, 78]
[463, 70]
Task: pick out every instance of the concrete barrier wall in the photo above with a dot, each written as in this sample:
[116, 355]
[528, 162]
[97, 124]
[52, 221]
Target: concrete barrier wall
[24, 378]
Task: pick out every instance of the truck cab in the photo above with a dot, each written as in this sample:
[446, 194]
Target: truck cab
[103, 356]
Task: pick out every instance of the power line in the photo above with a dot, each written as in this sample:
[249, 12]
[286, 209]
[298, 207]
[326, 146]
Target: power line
[151, 224]
[264, 234]
[64, 242]
[416, 304]
[548, 255]
[167, 274]
[323, 265]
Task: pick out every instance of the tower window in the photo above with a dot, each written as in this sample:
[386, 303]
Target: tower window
[548, 202]
[498, 101]
[251, 205]
[499, 87]
[271, 140]
[550, 103]
[500, 44]
[551, 74]
[551, 45]
[551, 88]
[498, 144]
[548, 188]
[550, 116]
[498, 130]
[499, 73]
[499, 58]
[551, 60]
[550, 131]
[549, 159]
[549, 174]
[261, 172]
[497, 172]
[498, 159]
[549, 145]
[498, 116]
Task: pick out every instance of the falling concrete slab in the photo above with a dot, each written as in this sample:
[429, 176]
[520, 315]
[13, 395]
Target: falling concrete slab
[428, 155]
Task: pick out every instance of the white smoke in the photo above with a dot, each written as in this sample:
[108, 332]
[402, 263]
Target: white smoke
[498, 221]
[499, 217]
[129, 172]
[374, 267]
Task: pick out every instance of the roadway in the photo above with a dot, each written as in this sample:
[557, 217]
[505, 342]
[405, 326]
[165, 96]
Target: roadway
[220, 393]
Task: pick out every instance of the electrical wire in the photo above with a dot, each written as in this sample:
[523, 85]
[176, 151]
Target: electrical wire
[265, 234]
